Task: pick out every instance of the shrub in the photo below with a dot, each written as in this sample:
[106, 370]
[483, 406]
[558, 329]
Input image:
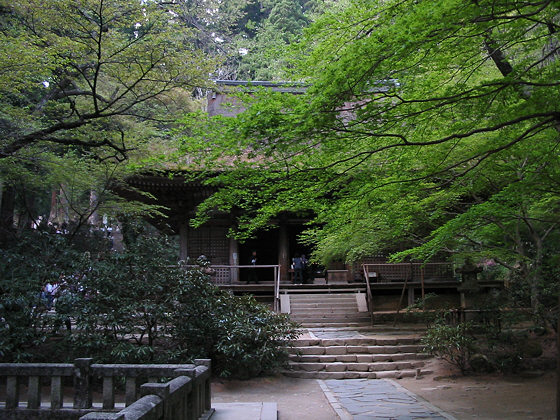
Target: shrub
[136, 306]
[242, 337]
[28, 260]
[453, 343]
[123, 301]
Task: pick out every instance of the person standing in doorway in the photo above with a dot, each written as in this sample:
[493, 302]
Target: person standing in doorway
[298, 269]
[253, 269]
[305, 269]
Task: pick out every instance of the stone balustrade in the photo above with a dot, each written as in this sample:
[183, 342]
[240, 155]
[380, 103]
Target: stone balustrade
[185, 397]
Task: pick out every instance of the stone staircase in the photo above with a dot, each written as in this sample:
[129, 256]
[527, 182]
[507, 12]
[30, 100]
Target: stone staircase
[354, 358]
[329, 309]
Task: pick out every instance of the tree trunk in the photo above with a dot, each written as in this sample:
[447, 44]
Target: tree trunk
[535, 277]
[7, 207]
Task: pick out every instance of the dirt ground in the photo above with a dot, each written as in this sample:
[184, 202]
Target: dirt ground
[489, 397]
[465, 397]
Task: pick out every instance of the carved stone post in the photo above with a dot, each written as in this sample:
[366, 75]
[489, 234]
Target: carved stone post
[82, 378]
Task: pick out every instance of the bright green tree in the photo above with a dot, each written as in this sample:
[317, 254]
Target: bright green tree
[427, 126]
[88, 91]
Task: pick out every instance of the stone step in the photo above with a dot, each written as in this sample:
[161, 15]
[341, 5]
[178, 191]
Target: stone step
[324, 305]
[359, 349]
[329, 324]
[324, 296]
[318, 312]
[322, 310]
[330, 309]
[347, 297]
[394, 374]
[361, 341]
[320, 315]
[323, 302]
[315, 311]
[332, 319]
[295, 308]
[355, 366]
[359, 358]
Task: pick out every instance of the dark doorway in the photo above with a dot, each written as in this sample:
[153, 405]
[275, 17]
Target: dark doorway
[295, 246]
[266, 245]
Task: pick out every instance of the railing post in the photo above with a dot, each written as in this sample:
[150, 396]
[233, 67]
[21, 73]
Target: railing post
[186, 409]
[207, 393]
[162, 391]
[108, 393]
[82, 378]
[12, 392]
[193, 400]
[34, 392]
[56, 392]
[130, 390]
[276, 305]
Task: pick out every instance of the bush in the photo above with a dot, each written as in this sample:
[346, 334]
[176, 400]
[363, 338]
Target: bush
[453, 343]
[122, 302]
[28, 260]
[137, 306]
[242, 337]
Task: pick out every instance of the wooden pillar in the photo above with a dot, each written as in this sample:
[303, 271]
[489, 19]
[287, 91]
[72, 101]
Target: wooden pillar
[283, 252]
[234, 259]
[183, 239]
[54, 206]
[411, 295]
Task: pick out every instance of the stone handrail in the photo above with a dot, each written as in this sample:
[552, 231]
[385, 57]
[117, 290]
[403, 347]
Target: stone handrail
[187, 396]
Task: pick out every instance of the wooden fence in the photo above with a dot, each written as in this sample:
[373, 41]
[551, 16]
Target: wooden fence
[412, 272]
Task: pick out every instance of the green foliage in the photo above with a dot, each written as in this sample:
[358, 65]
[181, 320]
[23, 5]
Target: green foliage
[88, 92]
[427, 128]
[124, 299]
[27, 262]
[107, 63]
[242, 337]
[136, 306]
[453, 343]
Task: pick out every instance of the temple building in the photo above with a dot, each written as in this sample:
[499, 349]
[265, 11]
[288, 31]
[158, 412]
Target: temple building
[384, 284]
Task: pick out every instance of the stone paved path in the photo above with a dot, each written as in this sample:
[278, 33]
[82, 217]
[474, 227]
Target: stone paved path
[379, 399]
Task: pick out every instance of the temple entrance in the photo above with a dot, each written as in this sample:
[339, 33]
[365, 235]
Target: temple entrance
[295, 247]
[266, 245]
[277, 246]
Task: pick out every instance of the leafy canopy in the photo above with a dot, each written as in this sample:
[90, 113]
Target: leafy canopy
[420, 117]
[88, 92]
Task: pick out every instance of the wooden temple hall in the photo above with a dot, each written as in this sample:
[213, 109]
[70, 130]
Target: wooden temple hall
[274, 248]
[230, 259]
[375, 284]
